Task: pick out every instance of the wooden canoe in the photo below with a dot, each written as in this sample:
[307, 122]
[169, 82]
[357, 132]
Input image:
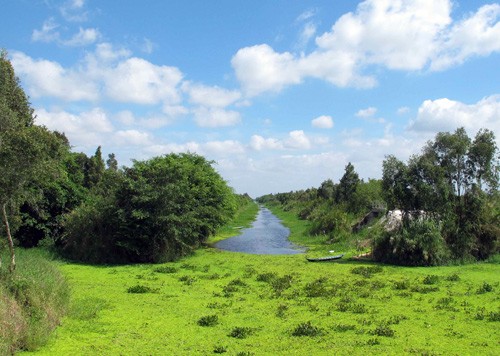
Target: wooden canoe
[324, 259]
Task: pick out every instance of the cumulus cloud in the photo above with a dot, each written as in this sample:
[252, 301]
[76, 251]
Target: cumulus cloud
[48, 78]
[397, 35]
[139, 81]
[368, 112]
[323, 122]
[216, 117]
[106, 72]
[446, 115]
[298, 140]
[84, 130]
[224, 148]
[211, 96]
[259, 143]
[260, 69]
[477, 35]
[131, 137]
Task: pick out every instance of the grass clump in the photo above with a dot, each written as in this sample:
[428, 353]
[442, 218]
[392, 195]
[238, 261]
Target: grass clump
[367, 272]
[165, 269]
[140, 289]
[241, 332]
[307, 329]
[383, 330]
[430, 279]
[220, 349]
[317, 288]
[208, 320]
[485, 288]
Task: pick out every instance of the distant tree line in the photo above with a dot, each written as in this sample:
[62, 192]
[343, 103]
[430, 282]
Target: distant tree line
[447, 197]
[91, 210]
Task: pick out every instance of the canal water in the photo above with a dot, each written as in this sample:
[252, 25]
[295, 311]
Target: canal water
[267, 236]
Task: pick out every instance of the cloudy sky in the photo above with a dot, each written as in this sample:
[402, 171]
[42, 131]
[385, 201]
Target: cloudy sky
[282, 94]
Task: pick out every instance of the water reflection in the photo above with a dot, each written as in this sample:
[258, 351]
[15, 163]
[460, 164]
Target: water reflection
[267, 236]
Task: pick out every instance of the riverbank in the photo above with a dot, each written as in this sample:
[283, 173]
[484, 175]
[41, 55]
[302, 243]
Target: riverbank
[273, 305]
[216, 301]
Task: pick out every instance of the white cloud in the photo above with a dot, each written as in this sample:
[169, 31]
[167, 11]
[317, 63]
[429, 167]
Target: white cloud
[215, 117]
[477, 35]
[84, 130]
[47, 33]
[298, 140]
[306, 15]
[223, 148]
[139, 81]
[131, 137]
[366, 113]
[260, 68]
[72, 10]
[84, 37]
[259, 143]
[211, 96]
[323, 122]
[307, 33]
[392, 34]
[403, 110]
[47, 78]
[447, 115]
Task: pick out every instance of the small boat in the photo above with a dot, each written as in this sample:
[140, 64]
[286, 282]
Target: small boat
[323, 259]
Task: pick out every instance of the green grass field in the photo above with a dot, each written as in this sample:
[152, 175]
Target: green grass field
[216, 302]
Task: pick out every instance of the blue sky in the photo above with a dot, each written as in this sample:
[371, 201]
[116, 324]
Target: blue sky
[281, 94]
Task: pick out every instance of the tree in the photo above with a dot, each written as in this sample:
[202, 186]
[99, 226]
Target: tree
[157, 210]
[446, 183]
[347, 187]
[327, 190]
[111, 162]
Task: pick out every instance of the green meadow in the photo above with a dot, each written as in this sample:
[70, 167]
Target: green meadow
[224, 302]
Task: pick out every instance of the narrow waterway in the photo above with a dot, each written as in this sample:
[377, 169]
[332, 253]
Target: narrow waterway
[267, 236]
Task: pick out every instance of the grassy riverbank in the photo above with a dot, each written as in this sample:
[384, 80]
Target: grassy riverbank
[216, 301]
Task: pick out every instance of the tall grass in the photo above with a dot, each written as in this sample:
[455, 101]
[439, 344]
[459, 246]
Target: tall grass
[32, 302]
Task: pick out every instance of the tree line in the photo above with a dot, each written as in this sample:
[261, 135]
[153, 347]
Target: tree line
[92, 210]
[447, 198]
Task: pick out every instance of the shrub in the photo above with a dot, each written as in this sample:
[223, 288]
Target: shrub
[383, 330]
[367, 271]
[317, 288]
[431, 279]
[485, 288]
[307, 329]
[165, 269]
[208, 320]
[219, 349]
[419, 243]
[139, 289]
[241, 332]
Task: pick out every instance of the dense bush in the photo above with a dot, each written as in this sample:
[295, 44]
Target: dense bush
[419, 243]
[156, 211]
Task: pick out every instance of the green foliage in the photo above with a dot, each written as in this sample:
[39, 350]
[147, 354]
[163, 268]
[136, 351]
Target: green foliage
[307, 329]
[454, 180]
[156, 211]
[208, 320]
[241, 332]
[139, 289]
[417, 244]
